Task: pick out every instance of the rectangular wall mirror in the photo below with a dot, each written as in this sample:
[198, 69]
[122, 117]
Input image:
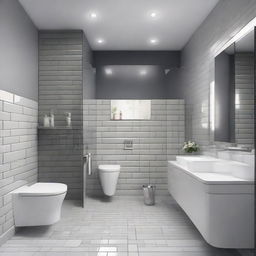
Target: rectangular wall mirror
[234, 93]
[130, 109]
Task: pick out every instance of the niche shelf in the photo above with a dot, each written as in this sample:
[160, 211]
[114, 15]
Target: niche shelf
[55, 128]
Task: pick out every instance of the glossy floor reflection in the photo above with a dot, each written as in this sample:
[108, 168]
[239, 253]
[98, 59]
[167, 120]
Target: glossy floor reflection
[123, 226]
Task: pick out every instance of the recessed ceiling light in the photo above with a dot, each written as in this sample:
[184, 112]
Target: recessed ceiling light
[153, 14]
[108, 71]
[100, 41]
[153, 40]
[93, 15]
[143, 72]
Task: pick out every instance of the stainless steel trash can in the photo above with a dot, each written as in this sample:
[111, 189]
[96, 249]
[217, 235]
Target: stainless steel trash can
[149, 194]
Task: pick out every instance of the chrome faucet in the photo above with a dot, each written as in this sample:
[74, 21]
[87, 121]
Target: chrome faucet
[88, 163]
[238, 148]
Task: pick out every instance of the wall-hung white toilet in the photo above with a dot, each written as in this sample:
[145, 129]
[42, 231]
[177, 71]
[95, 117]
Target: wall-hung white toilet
[108, 178]
[38, 204]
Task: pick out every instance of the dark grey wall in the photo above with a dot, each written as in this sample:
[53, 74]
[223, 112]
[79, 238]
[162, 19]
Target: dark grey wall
[173, 86]
[126, 81]
[18, 51]
[89, 83]
[162, 58]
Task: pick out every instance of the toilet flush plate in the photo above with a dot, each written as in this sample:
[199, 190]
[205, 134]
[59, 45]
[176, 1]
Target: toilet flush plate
[128, 145]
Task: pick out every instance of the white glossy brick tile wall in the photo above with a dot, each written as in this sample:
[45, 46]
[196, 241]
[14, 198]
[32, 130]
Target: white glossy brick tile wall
[154, 142]
[226, 19]
[18, 151]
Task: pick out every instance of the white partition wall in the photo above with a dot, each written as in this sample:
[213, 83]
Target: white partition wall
[154, 142]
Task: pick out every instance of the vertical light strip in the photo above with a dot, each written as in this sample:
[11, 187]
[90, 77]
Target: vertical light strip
[212, 105]
[237, 100]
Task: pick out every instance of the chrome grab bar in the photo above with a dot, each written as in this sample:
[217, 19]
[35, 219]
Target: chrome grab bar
[88, 163]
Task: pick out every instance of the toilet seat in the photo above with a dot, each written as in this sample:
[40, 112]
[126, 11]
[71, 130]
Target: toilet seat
[38, 204]
[109, 168]
[42, 189]
[108, 175]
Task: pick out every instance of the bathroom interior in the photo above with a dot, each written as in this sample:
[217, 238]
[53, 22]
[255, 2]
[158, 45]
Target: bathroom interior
[127, 127]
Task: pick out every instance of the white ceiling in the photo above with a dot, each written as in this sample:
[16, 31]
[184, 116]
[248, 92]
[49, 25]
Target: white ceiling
[246, 44]
[124, 24]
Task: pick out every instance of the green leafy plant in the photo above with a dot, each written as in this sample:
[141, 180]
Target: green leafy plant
[190, 147]
[114, 109]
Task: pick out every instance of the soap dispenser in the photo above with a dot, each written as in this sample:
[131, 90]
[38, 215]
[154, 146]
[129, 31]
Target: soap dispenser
[68, 119]
[46, 121]
[51, 119]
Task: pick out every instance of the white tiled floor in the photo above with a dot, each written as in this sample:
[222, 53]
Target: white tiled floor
[121, 227]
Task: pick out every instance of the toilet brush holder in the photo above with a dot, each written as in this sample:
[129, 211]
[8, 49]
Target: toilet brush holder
[149, 194]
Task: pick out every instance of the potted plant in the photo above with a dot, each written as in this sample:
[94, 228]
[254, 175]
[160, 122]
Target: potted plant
[190, 147]
[113, 111]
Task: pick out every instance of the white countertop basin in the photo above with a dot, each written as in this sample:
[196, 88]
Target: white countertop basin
[218, 196]
[218, 168]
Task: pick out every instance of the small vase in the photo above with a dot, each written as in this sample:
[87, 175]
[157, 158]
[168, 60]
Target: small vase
[192, 153]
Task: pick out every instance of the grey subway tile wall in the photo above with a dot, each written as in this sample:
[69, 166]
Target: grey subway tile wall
[154, 142]
[226, 19]
[61, 91]
[244, 106]
[18, 152]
